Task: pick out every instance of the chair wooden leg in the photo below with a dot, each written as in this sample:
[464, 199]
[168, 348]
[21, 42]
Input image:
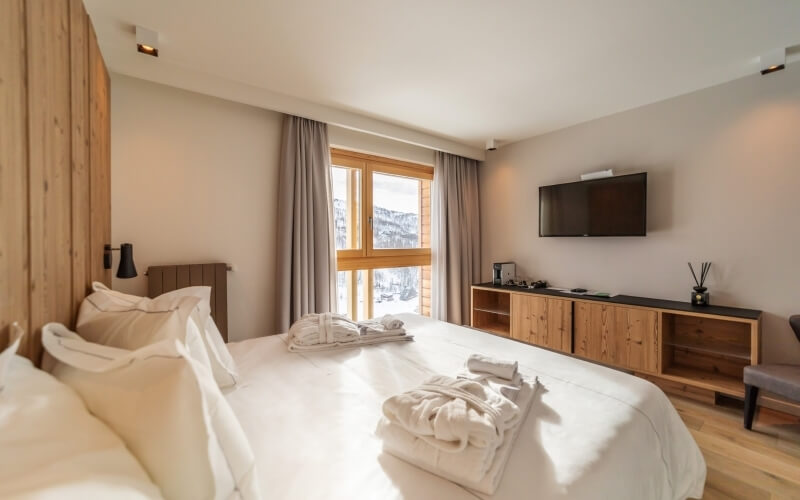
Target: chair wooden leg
[750, 400]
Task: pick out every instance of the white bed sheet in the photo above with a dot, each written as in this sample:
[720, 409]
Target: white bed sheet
[592, 432]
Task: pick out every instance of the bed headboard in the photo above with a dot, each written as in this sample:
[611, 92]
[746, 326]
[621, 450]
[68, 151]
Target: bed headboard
[55, 176]
[162, 279]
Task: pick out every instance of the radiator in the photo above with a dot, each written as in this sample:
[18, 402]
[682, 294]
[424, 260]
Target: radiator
[162, 279]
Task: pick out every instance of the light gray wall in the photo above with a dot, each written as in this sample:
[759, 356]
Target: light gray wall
[194, 179]
[724, 185]
[372, 144]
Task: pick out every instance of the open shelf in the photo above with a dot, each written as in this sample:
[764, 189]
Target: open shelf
[704, 379]
[724, 337]
[740, 352]
[491, 311]
[709, 353]
[496, 328]
[494, 310]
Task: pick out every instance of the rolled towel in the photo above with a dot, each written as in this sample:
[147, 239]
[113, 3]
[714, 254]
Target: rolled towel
[478, 363]
[390, 322]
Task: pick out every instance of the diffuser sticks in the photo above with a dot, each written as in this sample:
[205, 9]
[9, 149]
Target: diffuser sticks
[704, 268]
[700, 295]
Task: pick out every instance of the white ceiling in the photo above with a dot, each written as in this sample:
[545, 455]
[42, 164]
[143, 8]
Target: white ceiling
[464, 70]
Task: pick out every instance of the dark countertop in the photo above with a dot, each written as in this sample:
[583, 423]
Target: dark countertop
[630, 300]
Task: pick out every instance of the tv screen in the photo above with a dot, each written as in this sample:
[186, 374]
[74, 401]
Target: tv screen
[613, 206]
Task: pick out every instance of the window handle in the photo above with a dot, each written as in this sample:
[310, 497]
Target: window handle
[369, 221]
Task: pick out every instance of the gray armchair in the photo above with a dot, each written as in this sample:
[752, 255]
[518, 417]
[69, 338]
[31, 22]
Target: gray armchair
[783, 380]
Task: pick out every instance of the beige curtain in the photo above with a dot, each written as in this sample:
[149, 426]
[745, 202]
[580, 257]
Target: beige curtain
[456, 236]
[306, 272]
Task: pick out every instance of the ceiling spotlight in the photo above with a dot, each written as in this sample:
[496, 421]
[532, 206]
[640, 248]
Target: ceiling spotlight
[147, 41]
[774, 60]
[491, 144]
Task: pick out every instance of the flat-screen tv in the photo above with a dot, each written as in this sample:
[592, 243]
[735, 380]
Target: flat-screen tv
[613, 206]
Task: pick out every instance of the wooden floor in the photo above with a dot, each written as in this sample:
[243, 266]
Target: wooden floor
[752, 465]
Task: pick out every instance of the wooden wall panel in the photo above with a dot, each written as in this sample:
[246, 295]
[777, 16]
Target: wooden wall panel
[46, 175]
[13, 170]
[99, 159]
[79, 79]
[49, 159]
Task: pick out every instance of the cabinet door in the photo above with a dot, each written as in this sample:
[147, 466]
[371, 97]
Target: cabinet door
[529, 318]
[639, 329]
[542, 321]
[620, 336]
[595, 332]
[559, 325]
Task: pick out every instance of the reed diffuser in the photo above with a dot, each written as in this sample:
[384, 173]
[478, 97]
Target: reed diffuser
[700, 295]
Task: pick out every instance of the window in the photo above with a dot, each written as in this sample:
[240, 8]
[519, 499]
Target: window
[382, 221]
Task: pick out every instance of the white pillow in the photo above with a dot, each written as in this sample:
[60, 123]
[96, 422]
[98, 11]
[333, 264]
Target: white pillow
[167, 409]
[51, 447]
[219, 358]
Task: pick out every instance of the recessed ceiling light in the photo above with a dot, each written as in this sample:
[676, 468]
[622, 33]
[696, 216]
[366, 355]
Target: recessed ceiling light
[147, 41]
[774, 60]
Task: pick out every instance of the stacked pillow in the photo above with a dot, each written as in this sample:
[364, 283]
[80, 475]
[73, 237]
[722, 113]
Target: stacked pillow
[52, 447]
[129, 322]
[152, 369]
[166, 407]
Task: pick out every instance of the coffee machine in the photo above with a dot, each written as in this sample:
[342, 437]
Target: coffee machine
[503, 272]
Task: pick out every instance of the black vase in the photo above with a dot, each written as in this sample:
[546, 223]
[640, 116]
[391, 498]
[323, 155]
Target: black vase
[700, 296]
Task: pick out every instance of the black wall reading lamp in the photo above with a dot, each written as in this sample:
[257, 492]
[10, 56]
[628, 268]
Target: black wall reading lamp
[126, 267]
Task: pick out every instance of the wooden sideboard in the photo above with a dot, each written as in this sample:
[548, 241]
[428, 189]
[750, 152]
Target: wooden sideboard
[672, 343]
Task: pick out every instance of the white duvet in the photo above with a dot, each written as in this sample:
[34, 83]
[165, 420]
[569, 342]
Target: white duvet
[591, 433]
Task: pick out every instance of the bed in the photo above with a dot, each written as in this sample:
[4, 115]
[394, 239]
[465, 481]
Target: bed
[592, 432]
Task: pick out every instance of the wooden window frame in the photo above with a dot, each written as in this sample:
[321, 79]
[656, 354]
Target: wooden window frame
[368, 258]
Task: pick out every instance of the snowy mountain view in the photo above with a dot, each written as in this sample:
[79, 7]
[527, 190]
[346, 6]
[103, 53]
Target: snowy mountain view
[391, 229]
[395, 289]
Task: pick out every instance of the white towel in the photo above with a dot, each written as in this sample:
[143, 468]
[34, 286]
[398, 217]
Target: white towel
[476, 468]
[478, 363]
[390, 322]
[387, 325]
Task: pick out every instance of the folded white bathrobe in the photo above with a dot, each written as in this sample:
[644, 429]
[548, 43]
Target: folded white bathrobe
[326, 331]
[475, 466]
[508, 388]
[458, 417]
[325, 328]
